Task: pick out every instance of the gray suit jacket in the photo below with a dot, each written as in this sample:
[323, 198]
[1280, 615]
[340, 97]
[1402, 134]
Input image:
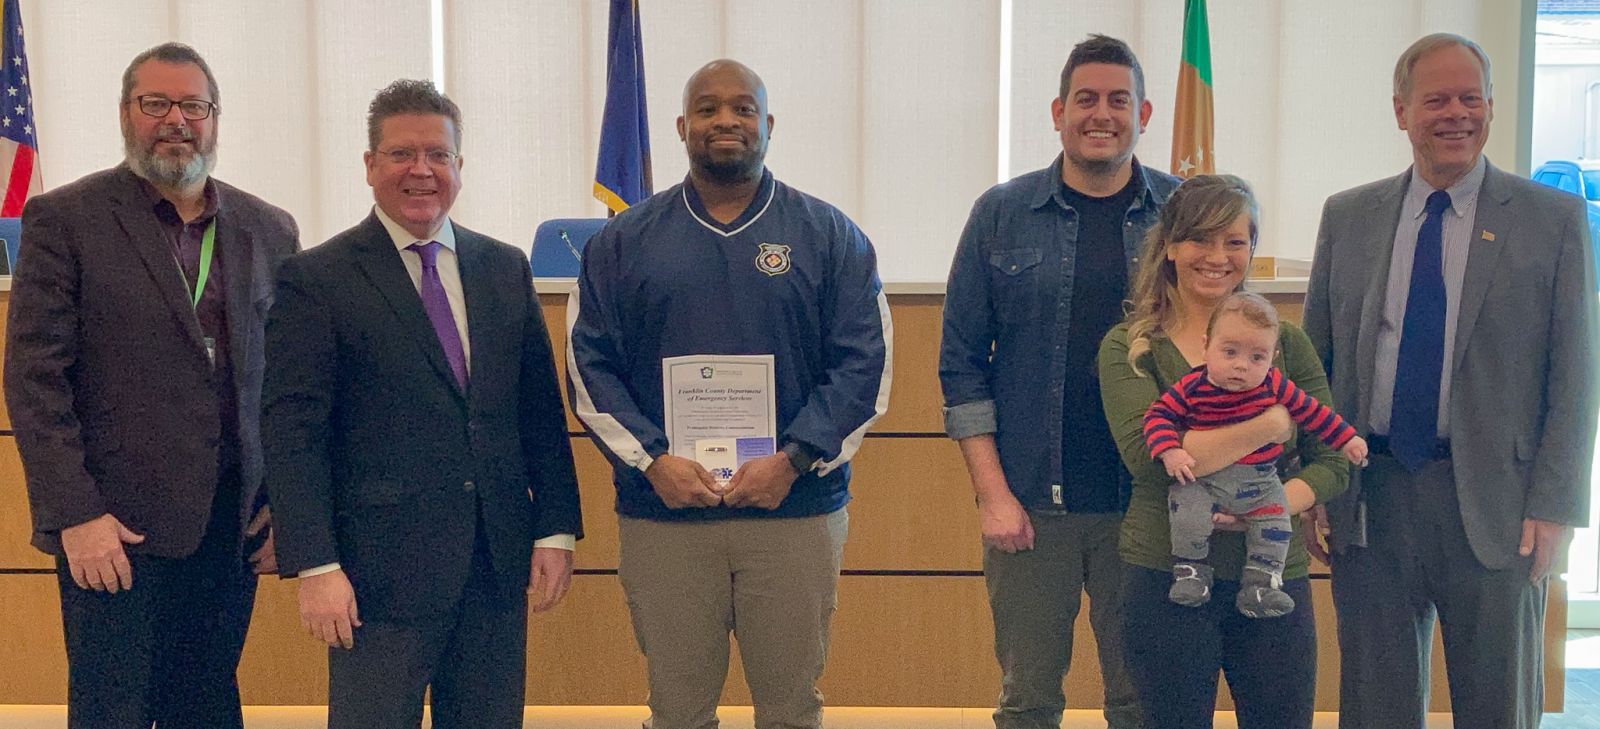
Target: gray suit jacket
[111, 394]
[1523, 393]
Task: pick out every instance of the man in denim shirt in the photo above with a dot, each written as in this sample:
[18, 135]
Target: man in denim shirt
[1038, 279]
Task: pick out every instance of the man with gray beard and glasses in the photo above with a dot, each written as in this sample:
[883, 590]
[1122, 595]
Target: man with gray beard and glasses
[133, 367]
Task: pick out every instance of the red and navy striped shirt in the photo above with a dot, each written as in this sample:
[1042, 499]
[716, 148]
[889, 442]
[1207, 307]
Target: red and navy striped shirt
[1193, 403]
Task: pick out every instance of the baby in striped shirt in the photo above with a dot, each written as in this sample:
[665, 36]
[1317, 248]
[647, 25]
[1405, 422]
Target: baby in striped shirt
[1236, 382]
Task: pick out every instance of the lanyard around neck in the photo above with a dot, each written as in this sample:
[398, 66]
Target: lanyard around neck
[208, 247]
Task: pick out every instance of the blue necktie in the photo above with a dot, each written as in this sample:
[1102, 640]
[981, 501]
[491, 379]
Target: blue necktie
[1414, 417]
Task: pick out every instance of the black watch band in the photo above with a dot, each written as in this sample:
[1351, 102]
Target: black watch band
[801, 458]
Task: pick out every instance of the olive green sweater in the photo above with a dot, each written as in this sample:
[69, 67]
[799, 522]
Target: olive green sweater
[1146, 541]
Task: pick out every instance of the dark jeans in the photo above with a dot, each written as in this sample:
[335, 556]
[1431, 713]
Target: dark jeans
[1174, 654]
[167, 651]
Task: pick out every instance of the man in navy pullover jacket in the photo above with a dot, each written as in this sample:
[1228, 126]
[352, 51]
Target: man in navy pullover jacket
[731, 262]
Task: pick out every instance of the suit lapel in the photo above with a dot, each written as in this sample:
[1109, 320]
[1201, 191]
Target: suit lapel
[1490, 230]
[1386, 206]
[382, 265]
[236, 246]
[474, 280]
[144, 233]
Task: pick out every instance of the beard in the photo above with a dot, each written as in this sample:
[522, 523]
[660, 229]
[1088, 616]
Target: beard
[730, 171]
[172, 169]
[1100, 167]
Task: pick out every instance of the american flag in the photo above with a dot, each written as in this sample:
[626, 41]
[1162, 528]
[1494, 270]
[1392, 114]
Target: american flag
[19, 146]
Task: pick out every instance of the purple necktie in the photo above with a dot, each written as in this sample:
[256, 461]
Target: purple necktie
[437, 305]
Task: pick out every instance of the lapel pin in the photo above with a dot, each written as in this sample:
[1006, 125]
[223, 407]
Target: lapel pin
[1488, 236]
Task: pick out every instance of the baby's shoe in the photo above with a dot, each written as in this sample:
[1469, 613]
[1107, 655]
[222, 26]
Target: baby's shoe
[1191, 584]
[1259, 596]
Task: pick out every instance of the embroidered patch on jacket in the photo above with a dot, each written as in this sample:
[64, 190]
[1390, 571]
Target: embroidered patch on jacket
[773, 259]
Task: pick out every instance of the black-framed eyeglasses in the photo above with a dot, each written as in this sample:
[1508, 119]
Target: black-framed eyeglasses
[159, 106]
[408, 157]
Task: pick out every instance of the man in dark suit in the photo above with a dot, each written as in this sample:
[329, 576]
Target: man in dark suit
[416, 443]
[1454, 309]
[133, 374]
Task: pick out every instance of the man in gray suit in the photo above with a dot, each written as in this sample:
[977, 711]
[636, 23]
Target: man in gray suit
[1453, 306]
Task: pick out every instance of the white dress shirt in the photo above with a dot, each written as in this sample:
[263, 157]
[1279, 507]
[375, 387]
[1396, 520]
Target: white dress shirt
[449, 270]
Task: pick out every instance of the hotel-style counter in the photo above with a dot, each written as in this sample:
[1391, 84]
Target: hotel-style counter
[913, 625]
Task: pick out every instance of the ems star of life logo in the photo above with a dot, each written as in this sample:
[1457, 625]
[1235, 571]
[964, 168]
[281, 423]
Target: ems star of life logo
[773, 259]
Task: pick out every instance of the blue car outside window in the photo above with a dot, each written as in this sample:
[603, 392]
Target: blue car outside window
[1591, 184]
[1564, 175]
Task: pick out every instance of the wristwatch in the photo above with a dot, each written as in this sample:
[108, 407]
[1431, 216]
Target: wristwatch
[801, 457]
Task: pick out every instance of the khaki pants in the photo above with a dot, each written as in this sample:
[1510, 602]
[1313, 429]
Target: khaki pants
[772, 582]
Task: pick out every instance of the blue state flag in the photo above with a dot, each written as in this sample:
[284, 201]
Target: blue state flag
[622, 175]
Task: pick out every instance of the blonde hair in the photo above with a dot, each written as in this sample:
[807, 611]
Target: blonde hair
[1253, 308]
[1201, 207]
[1428, 44]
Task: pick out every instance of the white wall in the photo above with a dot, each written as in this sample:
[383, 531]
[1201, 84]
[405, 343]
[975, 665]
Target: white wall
[1302, 89]
[890, 109]
[1558, 126]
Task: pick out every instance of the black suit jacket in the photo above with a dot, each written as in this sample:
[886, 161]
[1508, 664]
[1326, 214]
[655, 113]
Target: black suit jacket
[111, 394]
[376, 458]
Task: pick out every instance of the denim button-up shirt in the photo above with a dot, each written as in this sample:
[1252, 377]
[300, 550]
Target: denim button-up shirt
[1008, 306]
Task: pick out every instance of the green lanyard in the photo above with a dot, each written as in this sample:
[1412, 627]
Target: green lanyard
[208, 246]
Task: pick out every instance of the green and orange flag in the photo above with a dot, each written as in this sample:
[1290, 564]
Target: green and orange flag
[1193, 128]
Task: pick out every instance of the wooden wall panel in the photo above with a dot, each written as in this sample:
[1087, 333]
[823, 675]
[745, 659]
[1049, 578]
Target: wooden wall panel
[16, 526]
[5, 302]
[35, 667]
[941, 625]
[599, 549]
[914, 404]
[598, 663]
[915, 401]
[912, 508]
[583, 652]
[554, 308]
[1555, 647]
[1291, 307]
[904, 639]
[897, 641]
[282, 664]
